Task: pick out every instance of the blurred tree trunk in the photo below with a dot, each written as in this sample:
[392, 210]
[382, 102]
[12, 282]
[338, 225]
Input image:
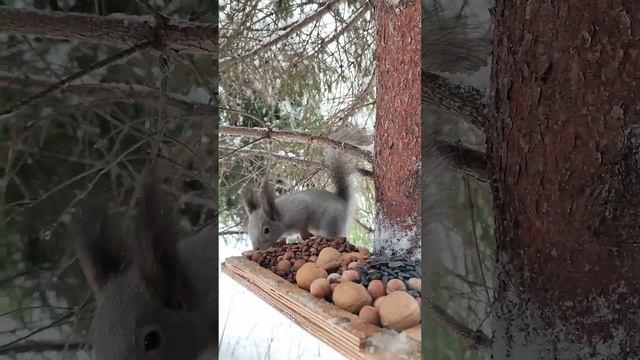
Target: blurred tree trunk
[565, 157]
[397, 128]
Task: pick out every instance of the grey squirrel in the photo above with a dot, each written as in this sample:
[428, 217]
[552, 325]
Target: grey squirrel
[156, 296]
[306, 212]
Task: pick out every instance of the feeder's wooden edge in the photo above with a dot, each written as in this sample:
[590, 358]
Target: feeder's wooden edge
[340, 329]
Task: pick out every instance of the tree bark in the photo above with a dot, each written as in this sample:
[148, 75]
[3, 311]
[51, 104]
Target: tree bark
[398, 129]
[120, 31]
[564, 153]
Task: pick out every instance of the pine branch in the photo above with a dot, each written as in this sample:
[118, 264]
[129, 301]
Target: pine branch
[283, 35]
[477, 337]
[111, 92]
[469, 161]
[464, 101]
[121, 31]
[298, 137]
[75, 76]
[291, 159]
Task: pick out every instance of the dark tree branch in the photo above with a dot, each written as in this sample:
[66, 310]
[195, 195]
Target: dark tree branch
[294, 160]
[110, 92]
[299, 137]
[477, 337]
[469, 161]
[44, 345]
[75, 76]
[464, 101]
[122, 31]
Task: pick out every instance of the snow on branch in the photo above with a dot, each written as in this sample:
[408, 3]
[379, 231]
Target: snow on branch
[294, 160]
[75, 76]
[284, 34]
[298, 137]
[464, 101]
[117, 30]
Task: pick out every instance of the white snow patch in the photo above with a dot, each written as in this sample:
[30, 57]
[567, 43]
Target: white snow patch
[479, 80]
[390, 342]
[46, 111]
[370, 148]
[398, 236]
[199, 95]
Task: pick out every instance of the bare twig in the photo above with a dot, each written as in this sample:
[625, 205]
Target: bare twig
[475, 238]
[44, 345]
[366, 227]
[20, 274]
[478, 337]
[66, 80]
[283, 35]
[54, 323]
[354, 19]
[358, 102]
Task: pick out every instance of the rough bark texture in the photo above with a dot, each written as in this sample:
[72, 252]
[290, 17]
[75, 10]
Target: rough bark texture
[397, 129]
[121, 31]
[564, 152]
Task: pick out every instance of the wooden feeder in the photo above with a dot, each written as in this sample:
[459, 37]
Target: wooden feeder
[340, 329]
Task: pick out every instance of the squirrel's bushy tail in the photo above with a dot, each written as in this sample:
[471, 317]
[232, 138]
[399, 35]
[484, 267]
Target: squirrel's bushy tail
[340, 165]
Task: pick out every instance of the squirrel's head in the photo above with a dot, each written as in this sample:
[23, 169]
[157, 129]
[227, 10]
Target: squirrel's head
[146, 303]
[264, 227]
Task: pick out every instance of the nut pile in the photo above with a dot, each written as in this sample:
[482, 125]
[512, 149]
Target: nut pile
[297, 255]
[385, 291]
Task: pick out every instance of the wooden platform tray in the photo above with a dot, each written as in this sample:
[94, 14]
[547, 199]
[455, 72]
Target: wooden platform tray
[340, 329]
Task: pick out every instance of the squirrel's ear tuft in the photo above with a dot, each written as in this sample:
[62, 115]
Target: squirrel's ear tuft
[156, 250]
[101, 251]
[250, 200]
[269, 200]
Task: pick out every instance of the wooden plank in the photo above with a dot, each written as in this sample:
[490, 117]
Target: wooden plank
[340, 329]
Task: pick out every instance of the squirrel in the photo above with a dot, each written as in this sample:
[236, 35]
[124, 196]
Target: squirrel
[307, 212]
[156, 292]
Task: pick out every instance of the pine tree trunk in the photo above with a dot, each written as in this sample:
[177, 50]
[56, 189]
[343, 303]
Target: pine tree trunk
[565, 158]
[397, 129]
